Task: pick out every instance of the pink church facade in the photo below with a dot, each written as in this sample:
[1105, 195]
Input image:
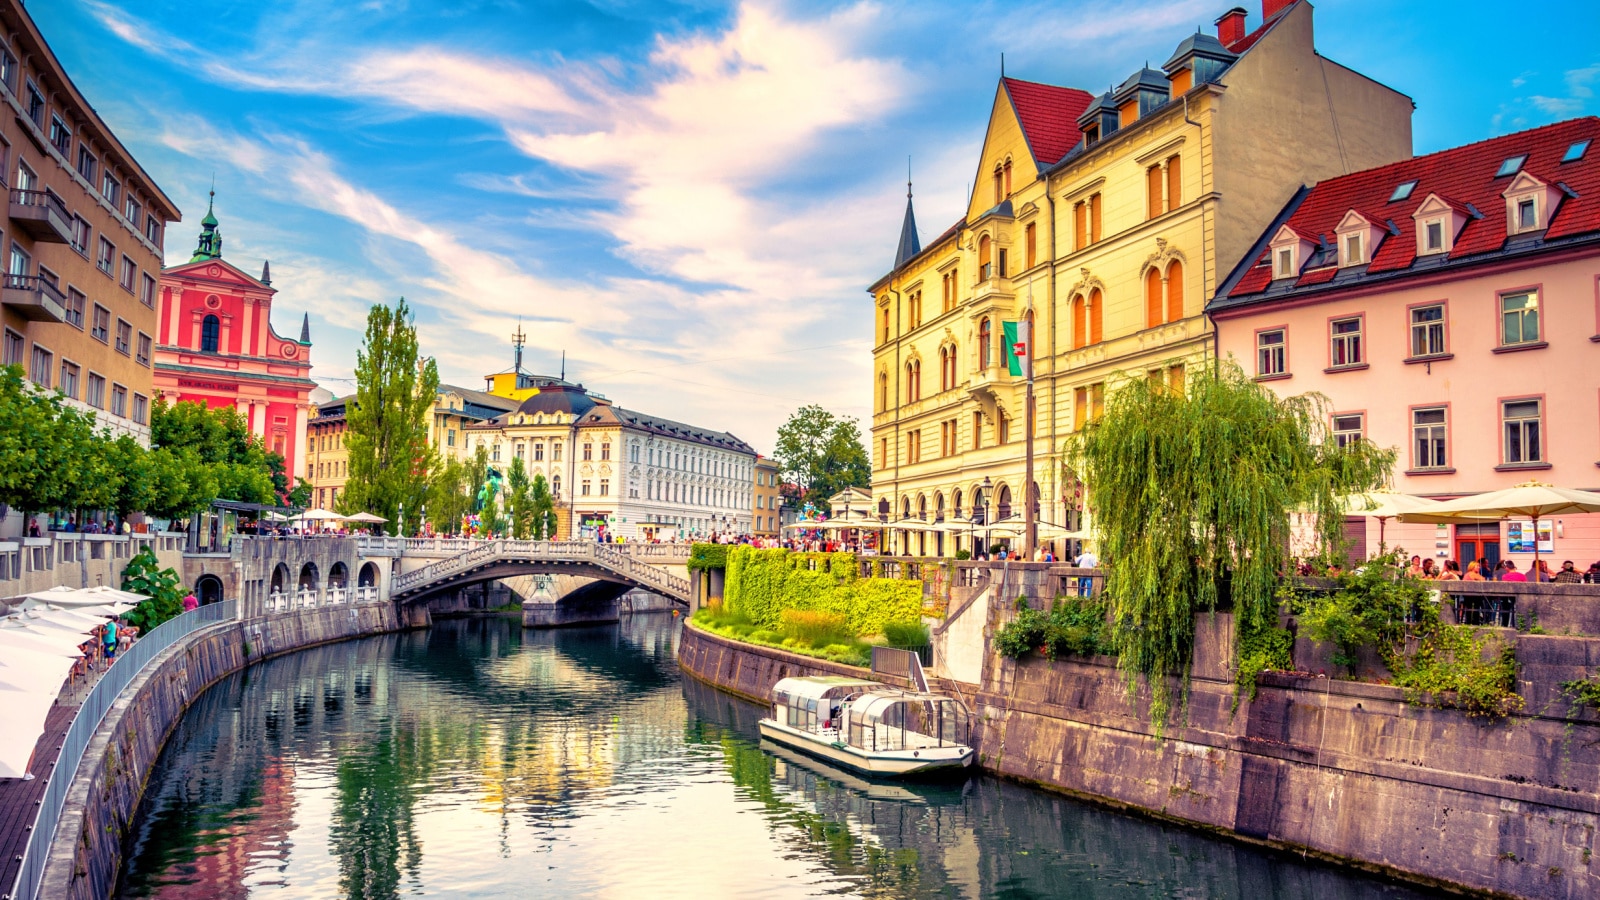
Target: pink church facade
[1448, 307]
[217, 346]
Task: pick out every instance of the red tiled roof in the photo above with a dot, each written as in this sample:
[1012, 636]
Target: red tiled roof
[1049, 117]
[1461, 176]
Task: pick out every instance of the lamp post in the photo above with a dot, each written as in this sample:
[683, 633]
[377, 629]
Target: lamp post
[988, 490]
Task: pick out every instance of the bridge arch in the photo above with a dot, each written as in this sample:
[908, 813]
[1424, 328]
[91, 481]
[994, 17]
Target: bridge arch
[495, 560]
[208, 589]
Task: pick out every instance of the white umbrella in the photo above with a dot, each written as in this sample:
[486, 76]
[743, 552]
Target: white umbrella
[319, 515]
[27, 641]
[1386, 505]
[105, 594]
[365, 517]
[1533, 499]
[25, 716]
[60, 594]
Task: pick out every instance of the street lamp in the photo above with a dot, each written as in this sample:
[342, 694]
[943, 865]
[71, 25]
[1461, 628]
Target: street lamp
[988, 491]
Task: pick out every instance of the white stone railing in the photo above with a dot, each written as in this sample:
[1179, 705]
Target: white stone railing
[605, 556]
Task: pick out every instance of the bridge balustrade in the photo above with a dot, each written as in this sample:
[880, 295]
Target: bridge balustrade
[605, 555]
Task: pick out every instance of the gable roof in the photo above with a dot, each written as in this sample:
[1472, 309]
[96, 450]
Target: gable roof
[1048, 115]
[1465, 177]
[231, 274]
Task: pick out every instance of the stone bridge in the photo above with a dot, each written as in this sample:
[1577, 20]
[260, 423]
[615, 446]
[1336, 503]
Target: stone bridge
[591, 579]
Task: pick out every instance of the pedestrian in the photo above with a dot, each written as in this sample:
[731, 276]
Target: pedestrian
[1568, 574]
[110, 638]
[191, 602]
[1592, 576]
[1086, 560]
[33, 529]
[1510, 573]
[1428, 571]
[1474, 572]
[1540, 572]
[1416, 567]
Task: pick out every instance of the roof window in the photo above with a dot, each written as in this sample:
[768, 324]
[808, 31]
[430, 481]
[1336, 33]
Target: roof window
[1402, 191]
[1576, 151]
[1511, 166]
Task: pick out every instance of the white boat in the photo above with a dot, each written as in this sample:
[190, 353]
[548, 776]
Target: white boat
[870, 728]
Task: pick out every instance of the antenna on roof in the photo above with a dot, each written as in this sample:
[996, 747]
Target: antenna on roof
[517, 339]
[563, 365]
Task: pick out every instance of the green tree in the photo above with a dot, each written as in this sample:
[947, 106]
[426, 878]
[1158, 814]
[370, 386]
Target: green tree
[822, 454]
[206, 454]
[1191, 494]
[388, 418]
[144, 575]
[519, 501]
[541, 508]
[50, 454]
[448, 496]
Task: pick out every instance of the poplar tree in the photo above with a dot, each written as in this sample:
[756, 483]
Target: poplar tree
[388, 422]
[1191, 493]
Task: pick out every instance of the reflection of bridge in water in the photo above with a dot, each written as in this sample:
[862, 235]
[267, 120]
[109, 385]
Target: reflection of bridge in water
[574, 582]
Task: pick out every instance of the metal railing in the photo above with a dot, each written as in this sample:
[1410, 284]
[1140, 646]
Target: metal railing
[99, 701]
[44, 199]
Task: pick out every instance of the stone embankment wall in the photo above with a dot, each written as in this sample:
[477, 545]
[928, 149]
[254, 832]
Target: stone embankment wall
[87, 852]
[1344, 770]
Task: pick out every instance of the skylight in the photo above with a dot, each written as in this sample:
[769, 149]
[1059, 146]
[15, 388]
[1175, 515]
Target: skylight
[1511, 166]
[1576, 151]
[1402, 191]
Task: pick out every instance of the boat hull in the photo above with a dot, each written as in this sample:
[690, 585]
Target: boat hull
[938, 762]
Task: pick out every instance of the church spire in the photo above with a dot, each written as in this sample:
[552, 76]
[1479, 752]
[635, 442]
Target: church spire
[266, 272]
[210, 244]
[305, 329]
[910, 246]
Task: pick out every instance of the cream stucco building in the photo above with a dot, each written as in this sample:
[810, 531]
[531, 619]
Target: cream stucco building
[1106, 221]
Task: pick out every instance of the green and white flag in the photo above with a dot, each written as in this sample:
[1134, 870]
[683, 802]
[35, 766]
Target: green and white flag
[1018, 349]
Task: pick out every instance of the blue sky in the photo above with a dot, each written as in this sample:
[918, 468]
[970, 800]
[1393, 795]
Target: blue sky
[689, 198]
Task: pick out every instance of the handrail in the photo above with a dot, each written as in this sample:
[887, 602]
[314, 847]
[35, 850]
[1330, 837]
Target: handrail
[99, 701]
[606, 556]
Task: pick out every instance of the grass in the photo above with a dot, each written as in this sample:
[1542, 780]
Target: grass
[809, 633]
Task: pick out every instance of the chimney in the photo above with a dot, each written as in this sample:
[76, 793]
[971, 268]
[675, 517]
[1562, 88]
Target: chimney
[1270, 8]
[1230, 28]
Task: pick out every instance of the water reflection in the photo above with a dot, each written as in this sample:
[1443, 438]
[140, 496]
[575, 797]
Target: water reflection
[480, 760]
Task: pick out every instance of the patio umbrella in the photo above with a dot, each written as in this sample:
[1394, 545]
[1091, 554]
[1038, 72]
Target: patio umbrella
[1533, 499]
[319, 515]
[365, 517]
[1386, 505]
[105, 594]
[25, 715]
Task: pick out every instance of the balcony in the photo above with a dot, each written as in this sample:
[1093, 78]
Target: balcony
[33, 298]
[42, 215]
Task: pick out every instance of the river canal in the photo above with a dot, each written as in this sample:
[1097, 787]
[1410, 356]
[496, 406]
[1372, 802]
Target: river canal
[477, 759]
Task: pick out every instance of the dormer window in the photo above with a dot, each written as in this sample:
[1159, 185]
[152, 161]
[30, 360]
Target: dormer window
[1576, 151]
[1530, 203]
[1433, 236]
[1527, 214]
[1403, 190]
[1352, 250]
[1511, 166]
[1438, 222]
[1283, 263]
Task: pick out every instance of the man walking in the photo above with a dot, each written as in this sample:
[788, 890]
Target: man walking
[1086, 560]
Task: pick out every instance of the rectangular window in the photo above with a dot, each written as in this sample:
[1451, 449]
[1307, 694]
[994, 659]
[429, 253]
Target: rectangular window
[1031, 243]
[1519, 318]
[1427, 330]
[69, 379]
[1434, 239]
[101, 329]
[152, 229]
[129, 273]
[1283, 263]
[107, 253]
[95, 393]
[111, 189]
[43, 360]
[13, 348]
[538, 453]
[588, 452]
[1346, 337]
[1521, 424]
[143, 354]
[87, 164]
[605, 487]
[141, 409]
[605, 451]
[119, 401]
[1271, 356]
[132, 211]
[583, 489]
[80, 235]
[1527, 214]
[26, 179]
[1080, 225]
[35, 104]
[1094, 218]
[1348, 428]
[450, 438]
[977, 430]
[147, 290]
[60, 136]
[1352, 250]
[8, 70]
[555, 452]
[124, 337]
[76, 303]
[21, 263]
[1429, 441]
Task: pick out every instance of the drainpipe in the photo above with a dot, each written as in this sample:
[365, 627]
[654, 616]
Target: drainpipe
[1050, 295]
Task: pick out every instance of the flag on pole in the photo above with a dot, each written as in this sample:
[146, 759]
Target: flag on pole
[1019, 353]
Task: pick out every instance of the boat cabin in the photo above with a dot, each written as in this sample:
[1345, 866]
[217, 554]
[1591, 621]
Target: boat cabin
[816, 703]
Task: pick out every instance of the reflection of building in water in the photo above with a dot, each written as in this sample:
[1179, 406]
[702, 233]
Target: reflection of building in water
[244, 845]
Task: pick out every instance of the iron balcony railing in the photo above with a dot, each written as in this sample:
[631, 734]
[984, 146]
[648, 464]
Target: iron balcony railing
[101, 697]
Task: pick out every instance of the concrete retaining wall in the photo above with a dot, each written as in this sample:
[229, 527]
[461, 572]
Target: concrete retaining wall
[89, 843]
[1343, 770]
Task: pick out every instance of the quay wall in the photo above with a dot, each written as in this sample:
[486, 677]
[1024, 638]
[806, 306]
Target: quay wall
[1346, 771]
[87, 852]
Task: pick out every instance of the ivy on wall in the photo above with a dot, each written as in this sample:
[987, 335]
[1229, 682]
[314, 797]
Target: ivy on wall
[762, 584]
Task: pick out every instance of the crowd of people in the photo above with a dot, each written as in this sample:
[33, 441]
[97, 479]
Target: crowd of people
[1506, 570]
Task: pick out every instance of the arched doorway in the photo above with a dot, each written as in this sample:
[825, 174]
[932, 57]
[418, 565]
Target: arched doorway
[368, 576]
[338, 576]
[308, 577]
[208, 589]
[280, 579]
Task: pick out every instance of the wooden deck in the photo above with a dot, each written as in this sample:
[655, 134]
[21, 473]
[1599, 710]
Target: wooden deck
[19, 798]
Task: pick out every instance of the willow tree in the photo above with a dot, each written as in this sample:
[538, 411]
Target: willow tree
[1191, 493]
[389, 419]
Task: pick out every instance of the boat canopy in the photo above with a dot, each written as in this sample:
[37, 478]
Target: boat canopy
[903, 720]
[819, 687]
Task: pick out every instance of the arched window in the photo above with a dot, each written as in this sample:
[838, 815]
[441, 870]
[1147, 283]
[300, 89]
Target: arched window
[886, 325]
[1003, 503]
[952, 364]
[210, 332]
[922, 507]
[1079, 326]
[883, 390]
[938, 506]
[986, 350]
[999, 183]
[955, 502]
[1096, 315]
[1152, 298]
[985, 258]
[913, 388]
[905, 507]
[1175, 291]
[1002, 429]
[1008, 177]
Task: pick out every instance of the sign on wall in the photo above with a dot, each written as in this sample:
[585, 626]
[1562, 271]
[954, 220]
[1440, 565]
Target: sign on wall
[1519, 537]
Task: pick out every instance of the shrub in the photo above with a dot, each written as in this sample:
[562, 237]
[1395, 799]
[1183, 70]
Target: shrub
[708, 556]
[906, 634]
[144, 575]
[817, 629]
[762, 584]
[1073, 625]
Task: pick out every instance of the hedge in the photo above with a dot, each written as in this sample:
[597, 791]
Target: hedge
[708, 556]
[761, 584]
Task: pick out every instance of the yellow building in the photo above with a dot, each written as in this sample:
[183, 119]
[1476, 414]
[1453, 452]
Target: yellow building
[1106, 222]
[766, 518]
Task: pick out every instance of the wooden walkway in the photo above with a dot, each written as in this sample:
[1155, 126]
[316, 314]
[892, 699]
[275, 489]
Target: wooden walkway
[19, 798]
